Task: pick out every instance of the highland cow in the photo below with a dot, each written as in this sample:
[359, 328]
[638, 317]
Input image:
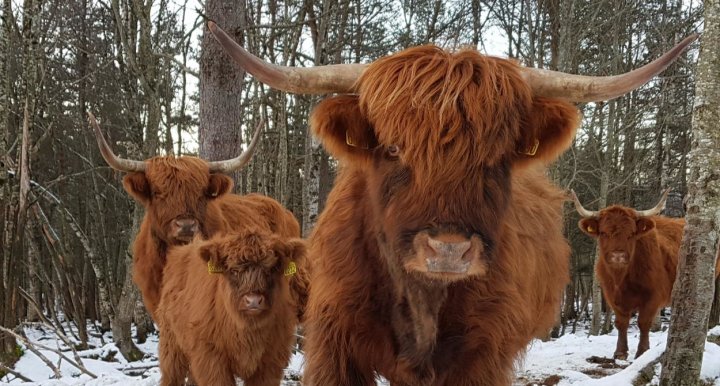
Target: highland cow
[637, 264]
[226, 309]
[185, 197]
[440, 252]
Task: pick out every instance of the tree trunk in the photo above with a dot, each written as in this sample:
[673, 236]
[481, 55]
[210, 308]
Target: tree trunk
[122, 318]
[221, 83]
[714, 318]
[694, 285]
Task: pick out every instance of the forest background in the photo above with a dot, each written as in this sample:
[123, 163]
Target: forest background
[67, 224]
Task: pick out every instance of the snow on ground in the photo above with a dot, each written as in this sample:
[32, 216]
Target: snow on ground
[562, 361]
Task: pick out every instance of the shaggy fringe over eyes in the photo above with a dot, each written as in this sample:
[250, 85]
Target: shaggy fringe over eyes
[424, 99]
[179, 182]
[248, 246]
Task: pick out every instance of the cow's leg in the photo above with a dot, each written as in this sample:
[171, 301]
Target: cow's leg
[266, 375]
[646, 316]
[270, 370]
[209, 369]
[328, 360]
[486, 370]
[173, 363]
[622, 320]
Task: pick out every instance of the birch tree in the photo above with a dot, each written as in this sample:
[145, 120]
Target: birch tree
[694, 285]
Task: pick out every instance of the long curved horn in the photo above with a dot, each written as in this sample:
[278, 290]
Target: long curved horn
[657, 209]
[342, 77]
[580, 88]
[300, 80]
[230, 165]
[580, 209]
[115, 162]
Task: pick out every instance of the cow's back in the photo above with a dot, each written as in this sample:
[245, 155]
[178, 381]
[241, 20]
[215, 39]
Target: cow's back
[669, 234]
[255, 210]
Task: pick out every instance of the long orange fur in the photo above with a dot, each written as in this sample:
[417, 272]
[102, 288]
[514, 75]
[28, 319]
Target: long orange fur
[463, 123]
[645, 284]
[173, 186]
[202, 326]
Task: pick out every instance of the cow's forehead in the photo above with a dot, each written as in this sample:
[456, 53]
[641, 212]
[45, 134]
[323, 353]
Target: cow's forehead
[436, 104]
[617, 218]
[178, 174]
[249, 247]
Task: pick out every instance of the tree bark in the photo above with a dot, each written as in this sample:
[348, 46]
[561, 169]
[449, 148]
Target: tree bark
[694, 285]
[221, 84]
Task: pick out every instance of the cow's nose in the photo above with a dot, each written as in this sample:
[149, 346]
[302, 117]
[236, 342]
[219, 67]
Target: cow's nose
[618, 257]
[448, 250]
[254, 301]
[186, 225]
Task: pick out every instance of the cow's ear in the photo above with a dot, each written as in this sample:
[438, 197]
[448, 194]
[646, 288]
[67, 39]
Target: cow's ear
[548, 131]
[298, 248]
[218, 185]
[137, 185]
[293, 254]
[343, 129]
[590, 226]
[644, 225]
[293, 249]
[210, 254]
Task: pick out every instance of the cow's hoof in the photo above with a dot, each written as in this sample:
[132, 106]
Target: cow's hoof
[620, 355]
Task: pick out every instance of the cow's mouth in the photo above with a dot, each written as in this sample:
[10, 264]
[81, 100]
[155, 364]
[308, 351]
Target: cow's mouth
[438, 265]
[184, 238]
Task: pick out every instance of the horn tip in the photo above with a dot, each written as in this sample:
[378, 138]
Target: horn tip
[212, 26]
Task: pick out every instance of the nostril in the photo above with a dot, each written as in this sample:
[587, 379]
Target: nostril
[254, 300]
[448, 249]
[186, 224]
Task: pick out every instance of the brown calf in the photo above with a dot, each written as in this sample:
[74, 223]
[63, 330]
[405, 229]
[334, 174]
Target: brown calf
[226, 309]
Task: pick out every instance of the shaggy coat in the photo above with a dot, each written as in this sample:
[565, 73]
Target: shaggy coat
[239, 319]
[183, 199]
[636, 267]
[440, 253]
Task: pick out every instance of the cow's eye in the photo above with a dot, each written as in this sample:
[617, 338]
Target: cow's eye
[393, 150]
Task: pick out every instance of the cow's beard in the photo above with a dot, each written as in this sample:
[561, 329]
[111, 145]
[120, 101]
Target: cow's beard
[415, 313]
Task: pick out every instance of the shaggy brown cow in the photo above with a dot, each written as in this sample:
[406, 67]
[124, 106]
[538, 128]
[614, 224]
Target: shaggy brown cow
[637, 263]
[440, 252]
[226, 309]
[184, 197]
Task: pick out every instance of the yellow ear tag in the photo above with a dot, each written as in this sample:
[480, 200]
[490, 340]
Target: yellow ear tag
[213, 269]
[291, 269]
[533, 150]
[591, 229]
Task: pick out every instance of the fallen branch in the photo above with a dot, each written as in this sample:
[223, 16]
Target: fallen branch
[138, 369]
[15, 373]
[32, 349]
[33, 346]
[46, 323]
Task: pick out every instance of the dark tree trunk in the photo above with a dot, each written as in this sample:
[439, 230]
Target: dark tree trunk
[221, 83]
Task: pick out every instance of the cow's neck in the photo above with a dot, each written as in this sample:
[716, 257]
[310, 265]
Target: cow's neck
[162, 246]
[415, 318]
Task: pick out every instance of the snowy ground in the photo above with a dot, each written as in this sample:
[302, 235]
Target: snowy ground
[563, 361]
